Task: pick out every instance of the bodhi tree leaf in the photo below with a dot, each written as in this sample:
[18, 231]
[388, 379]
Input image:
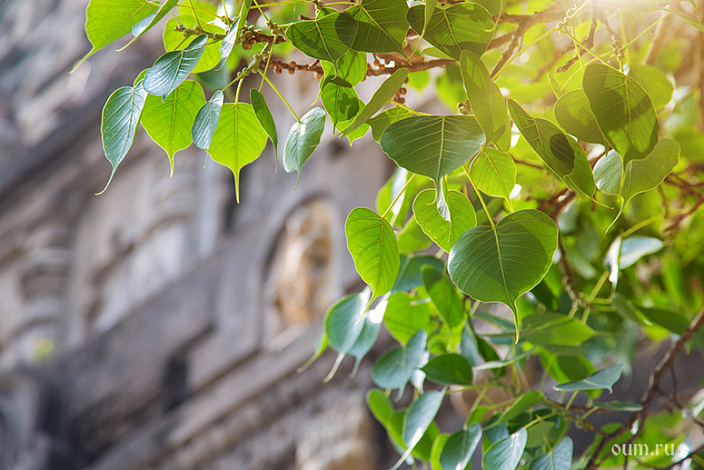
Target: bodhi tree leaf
[370, 332]
[207, 121]
[410, 275]
[561, 153]
[344, 323]
[432, 145]
[441, 231]
[174, 41]
[121, 115]
[326, 38]
[506, 453]
[381, 121]
[444, 296]
[608, 172]
[499, 264]
[460, 27]
[560, 458]
[172, 68]
[402, 319]
[487, 102]
[555, 329]
[228, 42]
[261, 109]
[602, 379]
[648, 173]
[623, 110]
[395, 368]
[574, 114]
[420, 415]
[341, 102]
[148, 23]
[168, 122]
[381, 96]
[302, 140]
[458, 449]
[238, 140]
[449, 369]
[381, 25]
[654, 81]
[372, 243]
[351, 69]
[109, 20]
[494, 173]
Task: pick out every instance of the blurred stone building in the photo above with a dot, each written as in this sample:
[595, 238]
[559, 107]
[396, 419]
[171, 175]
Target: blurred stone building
[159, 325]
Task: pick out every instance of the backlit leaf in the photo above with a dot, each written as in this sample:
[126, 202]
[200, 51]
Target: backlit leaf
[574, 114]
[442, 231]
[381, 96]
[326, 38]
[494, 173]
[381, 25]
[150, 21]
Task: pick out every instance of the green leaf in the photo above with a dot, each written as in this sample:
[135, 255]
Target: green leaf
[449, 369]
[381, 25]
[432, 145]
[168, 122]
[174, 41]
[344, 323]
[555, 329]
[654, 81]
[121, 115]
[369, 334]
[261, 109]
[381, 121]
[623, 110]
[494, 173]
[395, 368]
[574, 114]
[648, 173]
[459, 448]
[351, 69]
[109, 20]
[636, 247]
[207, 121]
[228, 42]
[420, 415]
[506, 453]
[326, 38]
[150, 21]
[404, 319]
[620, 406]
[444, 296]
[486, 99]
[341, 102]
[560, 458]
[441, 231]
[460, 27]
[602, 379]
[381, 96]
[302, 140]
[561, 153]
[608, 172]
[372, 243]
[172, 68]
[499, 264]
[410, 275]
[672, 320]
[239, 139]
[522, 404]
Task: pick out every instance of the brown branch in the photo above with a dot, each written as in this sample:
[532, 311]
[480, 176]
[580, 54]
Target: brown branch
[588, 42]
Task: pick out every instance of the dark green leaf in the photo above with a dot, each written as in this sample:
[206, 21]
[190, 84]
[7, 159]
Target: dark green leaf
[172, 68]
[302, 140]
[351, 69]
[372, 243]
[506, 453]
[672, 320]
[449, 369]
[623, 110]
[432, 145]
[341, 102]
[174, 41]
[420, 415]
[395, 368]
[524, 403]
[261, 109]
[369, 334]
[444, 296]
[460, 27]
[442, 231]
[574, 114]
[121, 115]
[381, 25]
[560, 458]
[410, 274]
[207, 121]
[343, 322]
[381, 96]
[238, 140]
[326, 38]
[459, 448]
[602, 379]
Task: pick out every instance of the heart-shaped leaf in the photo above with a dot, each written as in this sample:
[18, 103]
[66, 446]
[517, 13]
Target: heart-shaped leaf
[608, 172]
[207, 121]
[344, 322]
[372, 243]
[303, 139]
[486, 99]
[395, 368]
[168, 122]
[109, 20]
[602, 379]
[381, 96]
[432, 145]
[381, 25]
[441, 231]
[499, 264]
[506, 453]
[449, 369]
[121, 115]
[261, 109]
[623, 110]
[327, 38]
[239, 139]
[150, 21]
[560, 458]
[458, 449]
[574, 114]
[341, 102]
[460, 27]
[172, 68]
[351, 69]
[494, 173]
[654, 81]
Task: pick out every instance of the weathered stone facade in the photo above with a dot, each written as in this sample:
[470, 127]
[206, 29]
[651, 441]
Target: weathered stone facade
[159, 325]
